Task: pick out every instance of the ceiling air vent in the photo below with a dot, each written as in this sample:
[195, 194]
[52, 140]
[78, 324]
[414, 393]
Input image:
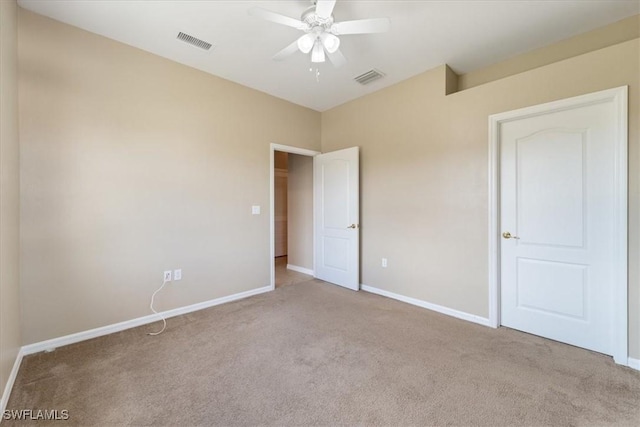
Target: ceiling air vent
[194, 41]
[368, 77]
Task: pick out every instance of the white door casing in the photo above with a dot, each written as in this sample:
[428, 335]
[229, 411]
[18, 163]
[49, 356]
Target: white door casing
[336, 217]
[559, 188]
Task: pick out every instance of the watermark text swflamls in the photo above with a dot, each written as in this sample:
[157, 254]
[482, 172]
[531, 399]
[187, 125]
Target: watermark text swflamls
[36, 414]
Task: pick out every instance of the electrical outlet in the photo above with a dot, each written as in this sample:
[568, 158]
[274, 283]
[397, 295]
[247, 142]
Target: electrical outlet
[384, 263]
[167, 276]
[177, 274]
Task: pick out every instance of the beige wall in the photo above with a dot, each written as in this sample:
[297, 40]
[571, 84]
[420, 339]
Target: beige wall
[10, 340]
[424, 172]
[300, 211]
[280, 203]
[131, 165]
[609, 35]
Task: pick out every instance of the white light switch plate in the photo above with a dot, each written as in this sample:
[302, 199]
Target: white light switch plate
[177, 274]
[255, 210]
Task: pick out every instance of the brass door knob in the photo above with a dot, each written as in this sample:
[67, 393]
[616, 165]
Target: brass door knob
[508, 235]
[353, 226]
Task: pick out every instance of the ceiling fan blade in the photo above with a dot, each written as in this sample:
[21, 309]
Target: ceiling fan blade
[324, 8]
[289, 50]
[361, 26]
[337, 58]
[276, 17]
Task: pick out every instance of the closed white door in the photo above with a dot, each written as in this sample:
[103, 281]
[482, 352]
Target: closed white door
[557, 190]
[336, 206]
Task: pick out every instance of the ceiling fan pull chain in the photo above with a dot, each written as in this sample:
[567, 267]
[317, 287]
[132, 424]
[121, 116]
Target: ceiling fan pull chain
[317, 73]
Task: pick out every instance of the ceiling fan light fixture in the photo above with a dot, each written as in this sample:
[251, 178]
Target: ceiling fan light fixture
[322, 32]
[330, 42]
[317, 54]
[306, 42]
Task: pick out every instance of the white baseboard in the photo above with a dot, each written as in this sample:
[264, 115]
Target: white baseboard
[434, 307]
[117, 327]
[12, 378]
[300, 269]
[632, 363]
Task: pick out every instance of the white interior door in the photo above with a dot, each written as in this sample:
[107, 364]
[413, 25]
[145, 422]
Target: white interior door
[336, 206]
[558, 191]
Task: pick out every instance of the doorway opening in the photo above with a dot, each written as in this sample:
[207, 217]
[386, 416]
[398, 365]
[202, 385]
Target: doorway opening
[291, 215]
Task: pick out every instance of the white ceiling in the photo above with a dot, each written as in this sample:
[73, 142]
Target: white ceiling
[467, 35]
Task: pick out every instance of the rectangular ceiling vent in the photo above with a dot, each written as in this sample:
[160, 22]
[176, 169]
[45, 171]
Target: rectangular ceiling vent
[368, 77]
[194, 41]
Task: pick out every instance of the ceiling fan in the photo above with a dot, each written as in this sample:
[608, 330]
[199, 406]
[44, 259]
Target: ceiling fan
[321, 31]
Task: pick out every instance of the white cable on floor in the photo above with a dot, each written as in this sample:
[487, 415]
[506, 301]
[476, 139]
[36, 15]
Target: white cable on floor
[161, 316]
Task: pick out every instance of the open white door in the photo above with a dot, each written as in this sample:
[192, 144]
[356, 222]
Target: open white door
[337, 212]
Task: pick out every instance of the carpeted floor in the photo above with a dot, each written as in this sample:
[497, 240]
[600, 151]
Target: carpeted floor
[285, 277]
[317, 354]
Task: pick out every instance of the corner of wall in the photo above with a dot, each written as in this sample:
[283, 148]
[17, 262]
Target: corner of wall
[451, 80]
[10, 337]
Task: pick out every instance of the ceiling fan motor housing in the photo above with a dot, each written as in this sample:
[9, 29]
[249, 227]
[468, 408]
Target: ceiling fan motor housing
[315, 22]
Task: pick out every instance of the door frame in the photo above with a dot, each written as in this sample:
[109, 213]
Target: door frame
[272, 240]
[618, 96]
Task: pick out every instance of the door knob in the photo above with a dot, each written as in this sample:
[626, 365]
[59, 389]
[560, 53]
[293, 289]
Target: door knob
[353, 226]
[508, 235]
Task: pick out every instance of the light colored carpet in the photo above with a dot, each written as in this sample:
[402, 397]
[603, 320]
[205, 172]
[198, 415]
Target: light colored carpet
[285, 277]
[317, 354]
